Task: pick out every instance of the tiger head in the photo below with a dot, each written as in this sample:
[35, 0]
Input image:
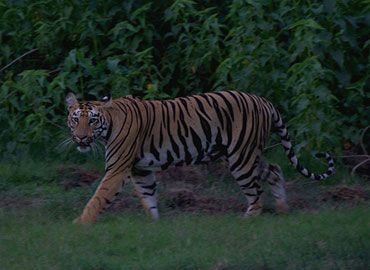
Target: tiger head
[87, 120]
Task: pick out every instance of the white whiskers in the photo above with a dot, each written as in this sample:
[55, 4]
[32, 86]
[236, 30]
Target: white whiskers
[66, 144]
[97, 148]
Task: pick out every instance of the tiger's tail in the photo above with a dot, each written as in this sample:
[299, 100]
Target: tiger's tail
[285, 140]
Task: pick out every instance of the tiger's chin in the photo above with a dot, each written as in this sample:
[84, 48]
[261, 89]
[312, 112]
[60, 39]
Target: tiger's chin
[84, 148]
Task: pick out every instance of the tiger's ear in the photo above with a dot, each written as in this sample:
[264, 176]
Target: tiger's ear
[71, 100]
[107, 101]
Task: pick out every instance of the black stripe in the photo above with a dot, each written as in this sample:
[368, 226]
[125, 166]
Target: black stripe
[111, 152]
[184, 102]
[231, 93]
[124, 159]
[197, 141]
[152, 186]
[107, 201]
[174, 145]
[163, 115]
[228, 104]
[173, 105]
[168, 121]
[169, 161]
[201, 107]
[247, 174]
[160, 136]
[242, 134]
[185, 146]
[206, 98]
[151, 122]
[218, 112]
[229, 128]
[149, 193]
[247, 144]
[183, 122]
[153, 150]
[123, 125]
[205, 127]
[109, 132]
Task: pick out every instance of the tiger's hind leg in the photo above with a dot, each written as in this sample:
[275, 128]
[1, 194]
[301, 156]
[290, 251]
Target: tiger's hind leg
[274, 177]
[146, 188]
[248, 180]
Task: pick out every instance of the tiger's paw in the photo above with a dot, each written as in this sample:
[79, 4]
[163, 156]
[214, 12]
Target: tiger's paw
[251, 215]
[77, 220]
[253, 211]
[282, 208]
[83, 220]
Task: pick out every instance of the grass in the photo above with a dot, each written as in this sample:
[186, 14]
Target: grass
[36, 230]
[42, 239]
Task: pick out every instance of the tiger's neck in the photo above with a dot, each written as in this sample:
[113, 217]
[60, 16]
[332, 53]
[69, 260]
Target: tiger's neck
[128, 120]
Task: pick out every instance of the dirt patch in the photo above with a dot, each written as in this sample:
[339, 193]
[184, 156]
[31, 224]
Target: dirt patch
[194, 175]
[298, 203]
[184, 177]
[180, 198]
[214, 204]
[186, 189]
[290, 186]
[73, 176]
[128, 203]
[188, 201]
[346, 193]
[21, 203]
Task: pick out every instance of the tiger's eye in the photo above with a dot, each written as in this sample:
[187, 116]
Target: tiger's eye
[93, 121]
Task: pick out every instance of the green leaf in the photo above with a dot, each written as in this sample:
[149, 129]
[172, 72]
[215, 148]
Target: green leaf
[338, 56]
[330, 5]
[113, 64]
[309, 23]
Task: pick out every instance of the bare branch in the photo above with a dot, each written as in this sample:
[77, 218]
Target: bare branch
[362, 140]
[359, 165]
[365, 155]
[8, 95]
[271, 146]
[351, 156]
[18, 58]
[55, 70]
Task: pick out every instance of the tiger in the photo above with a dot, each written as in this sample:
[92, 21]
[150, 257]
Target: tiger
[142, 137]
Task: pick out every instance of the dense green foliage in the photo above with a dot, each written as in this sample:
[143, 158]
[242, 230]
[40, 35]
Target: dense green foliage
[310, 58]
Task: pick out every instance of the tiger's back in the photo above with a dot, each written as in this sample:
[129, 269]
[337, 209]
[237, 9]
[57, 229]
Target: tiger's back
[201, 128]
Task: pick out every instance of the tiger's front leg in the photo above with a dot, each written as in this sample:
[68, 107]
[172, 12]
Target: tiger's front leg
[108, 188]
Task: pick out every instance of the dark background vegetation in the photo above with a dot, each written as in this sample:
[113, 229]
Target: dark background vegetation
[310, 58]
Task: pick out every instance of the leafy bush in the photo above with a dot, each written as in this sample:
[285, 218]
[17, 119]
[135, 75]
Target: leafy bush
[310, 58]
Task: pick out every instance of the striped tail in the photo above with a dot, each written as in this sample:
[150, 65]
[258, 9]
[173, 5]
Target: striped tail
[285, 140]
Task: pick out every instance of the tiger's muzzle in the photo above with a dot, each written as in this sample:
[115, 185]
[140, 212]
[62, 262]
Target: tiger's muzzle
[83, 143]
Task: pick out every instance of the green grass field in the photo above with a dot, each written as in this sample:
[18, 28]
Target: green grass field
[45, 239]
[36, 211]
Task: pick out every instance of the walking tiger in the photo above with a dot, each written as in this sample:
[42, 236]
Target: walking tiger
[142, 137]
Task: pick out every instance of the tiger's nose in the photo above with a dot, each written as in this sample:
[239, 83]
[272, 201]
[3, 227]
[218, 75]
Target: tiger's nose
[80, 138]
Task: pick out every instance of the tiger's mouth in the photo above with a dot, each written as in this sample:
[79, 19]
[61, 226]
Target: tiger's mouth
[83, 148]
[83, 143]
